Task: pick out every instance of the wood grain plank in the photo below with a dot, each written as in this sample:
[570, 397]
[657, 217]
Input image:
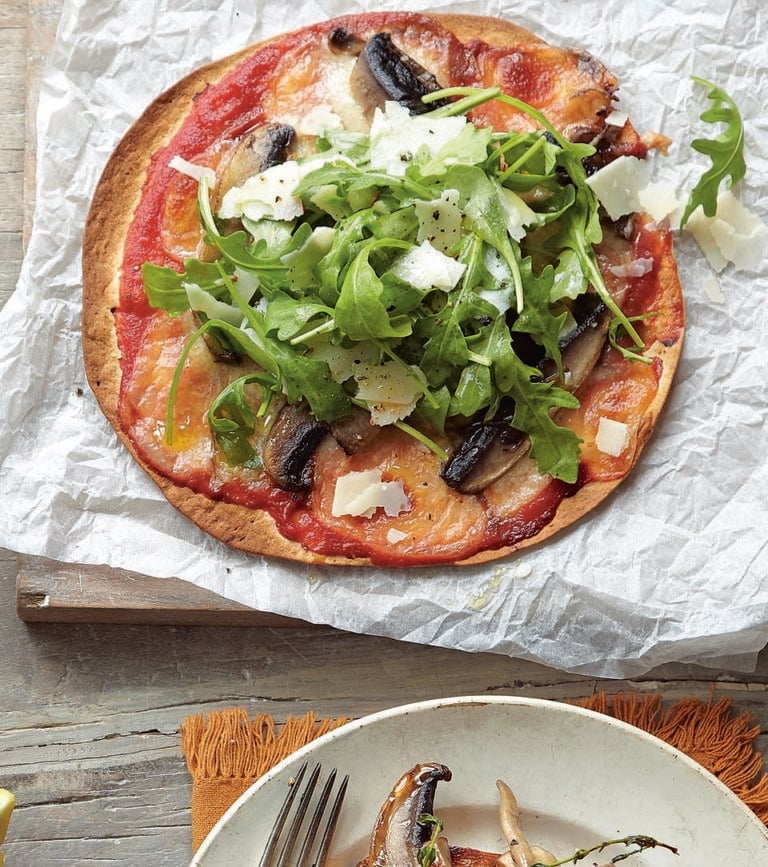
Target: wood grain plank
[51, 591]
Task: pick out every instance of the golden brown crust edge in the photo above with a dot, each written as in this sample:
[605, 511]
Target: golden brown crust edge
[115, 199]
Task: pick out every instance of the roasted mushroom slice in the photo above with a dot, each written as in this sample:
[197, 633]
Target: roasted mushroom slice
[343, 41]
[289, 446]
[584, 349]
[487, 451]
[383, 72]
[258, 150]
[398, 835]
[354, 430]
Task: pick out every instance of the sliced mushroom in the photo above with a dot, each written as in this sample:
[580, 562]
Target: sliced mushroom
[585, 348]
[487, 450]
[355, 430]
[383, 72]
[398, 835]
[491, 448]
[258, 150]
[343, 41]
[289, 446]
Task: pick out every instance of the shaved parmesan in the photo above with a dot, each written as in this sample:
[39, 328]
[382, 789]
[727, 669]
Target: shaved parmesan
[518, 214]
[439, 220]
[344, 362]
[204, 302]
[612, 436]
[618, 185]
[192, 170]
[394, 536]
[616, 118]
[398, 138]
[735, 234]
[711, 286]
[426, 267]
[268, 194]
[389, 391]
[659, 200]
[361, 494]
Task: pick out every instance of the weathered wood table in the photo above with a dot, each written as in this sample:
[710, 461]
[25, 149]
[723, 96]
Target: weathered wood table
[90, 711]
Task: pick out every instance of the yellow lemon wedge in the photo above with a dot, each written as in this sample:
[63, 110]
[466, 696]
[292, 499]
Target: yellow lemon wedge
[7, 803]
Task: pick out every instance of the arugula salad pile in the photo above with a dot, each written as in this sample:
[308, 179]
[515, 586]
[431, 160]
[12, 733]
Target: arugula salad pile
[413, 252]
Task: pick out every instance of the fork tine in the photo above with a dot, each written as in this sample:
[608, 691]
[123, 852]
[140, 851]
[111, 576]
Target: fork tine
[333, 818]
[274, 835]
[314, 822]
[286, 842]
[293, 830]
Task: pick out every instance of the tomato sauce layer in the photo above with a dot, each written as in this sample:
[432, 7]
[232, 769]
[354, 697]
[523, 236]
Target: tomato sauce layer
[441, 525]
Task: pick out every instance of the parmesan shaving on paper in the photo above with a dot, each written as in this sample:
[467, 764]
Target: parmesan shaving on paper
[734, 234]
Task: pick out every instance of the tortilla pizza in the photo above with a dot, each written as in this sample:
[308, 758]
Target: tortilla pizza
[349, 295]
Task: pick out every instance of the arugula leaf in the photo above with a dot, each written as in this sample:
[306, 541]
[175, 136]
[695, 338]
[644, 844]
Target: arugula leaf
[446, 350]
[474, 391]
[233, 421]
[485, 214]
[726, 151]
[569, 280]
[554, 448]
[349, 235]
[165, 286]
[287, 316]
[536, 318]
[360, 313]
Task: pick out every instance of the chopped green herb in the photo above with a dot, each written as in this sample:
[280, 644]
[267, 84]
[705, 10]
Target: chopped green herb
[428, 852]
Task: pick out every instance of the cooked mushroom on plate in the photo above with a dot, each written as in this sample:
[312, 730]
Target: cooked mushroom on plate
[408, 834]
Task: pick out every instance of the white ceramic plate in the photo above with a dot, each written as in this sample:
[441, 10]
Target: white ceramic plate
[580, 777]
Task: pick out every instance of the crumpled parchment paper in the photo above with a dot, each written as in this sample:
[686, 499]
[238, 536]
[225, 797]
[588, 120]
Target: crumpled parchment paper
[671, 568]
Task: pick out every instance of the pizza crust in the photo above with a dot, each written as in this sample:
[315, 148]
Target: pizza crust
[115, 200]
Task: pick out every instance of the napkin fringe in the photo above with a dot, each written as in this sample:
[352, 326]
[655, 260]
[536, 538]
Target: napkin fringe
[228, 745]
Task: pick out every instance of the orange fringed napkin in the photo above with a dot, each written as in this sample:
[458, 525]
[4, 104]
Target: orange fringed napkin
[228, 751]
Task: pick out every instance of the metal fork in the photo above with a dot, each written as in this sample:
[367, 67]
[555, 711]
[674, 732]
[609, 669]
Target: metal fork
[279, 847]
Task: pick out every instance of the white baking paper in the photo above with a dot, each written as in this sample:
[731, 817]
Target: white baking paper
[672, 568]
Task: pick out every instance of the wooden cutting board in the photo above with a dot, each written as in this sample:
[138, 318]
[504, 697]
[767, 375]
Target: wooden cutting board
[47, 590]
